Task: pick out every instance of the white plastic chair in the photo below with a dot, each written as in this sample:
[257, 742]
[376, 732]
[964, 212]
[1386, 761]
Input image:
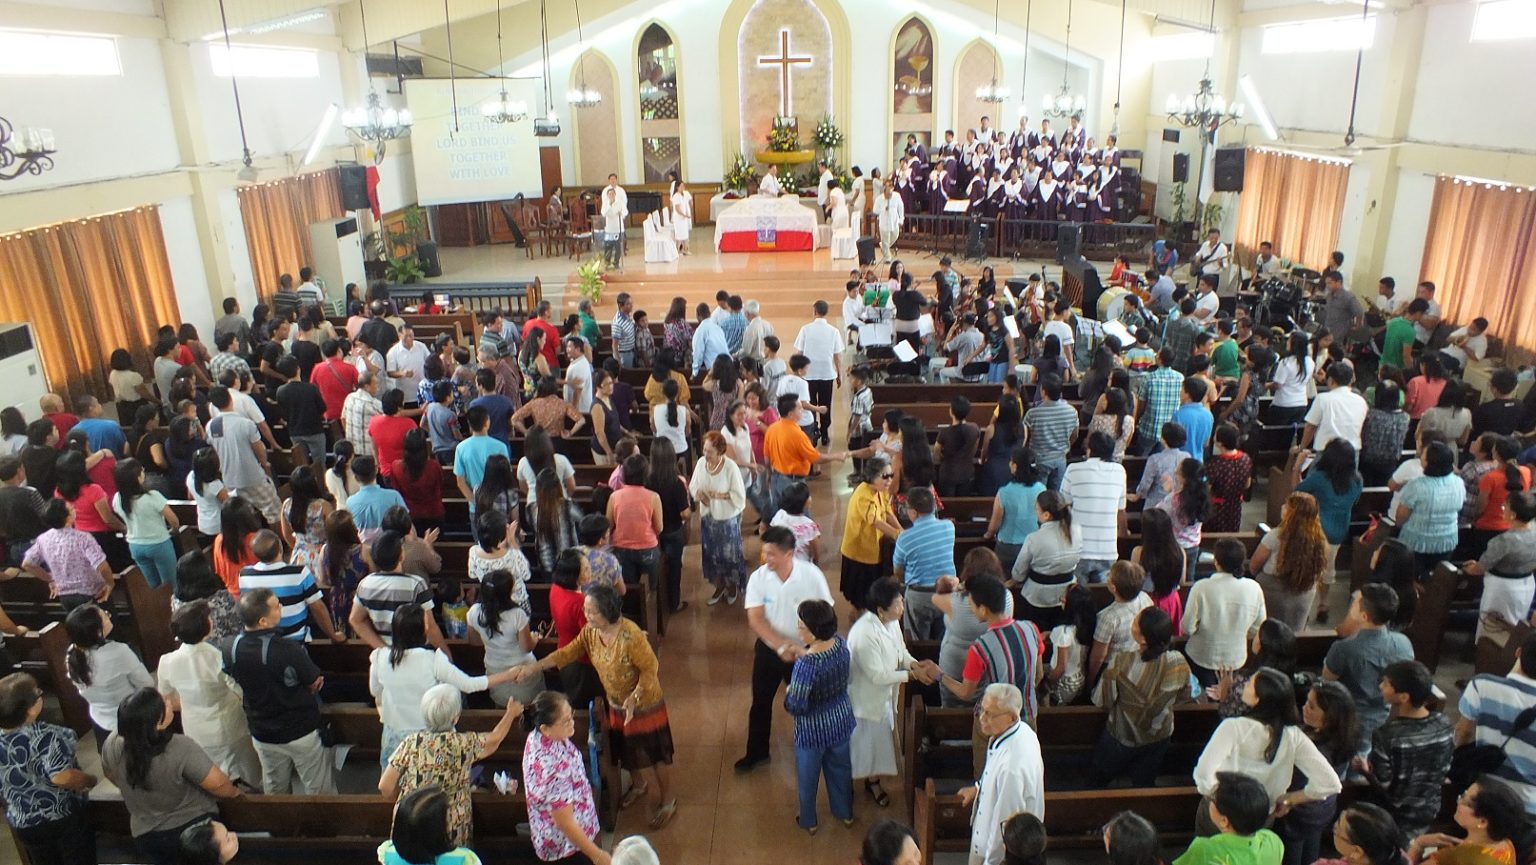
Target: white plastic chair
[660, 243]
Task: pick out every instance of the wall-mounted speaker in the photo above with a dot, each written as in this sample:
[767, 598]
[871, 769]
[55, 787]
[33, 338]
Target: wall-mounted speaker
[1227, 169]
[1181, 168]
[354, 187]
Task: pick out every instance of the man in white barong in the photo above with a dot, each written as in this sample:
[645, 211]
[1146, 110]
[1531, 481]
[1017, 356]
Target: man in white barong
[823, 189]
[1013, 779]
[770, 183]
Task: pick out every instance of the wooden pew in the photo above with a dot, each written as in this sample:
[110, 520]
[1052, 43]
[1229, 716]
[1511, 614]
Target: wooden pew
[1072, 819]
[358, 725]
[142, 614]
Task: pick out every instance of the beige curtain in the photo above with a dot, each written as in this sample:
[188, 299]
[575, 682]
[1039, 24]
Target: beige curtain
[1480, 251]
[277, 217]
[1292, 201]
[89, 287]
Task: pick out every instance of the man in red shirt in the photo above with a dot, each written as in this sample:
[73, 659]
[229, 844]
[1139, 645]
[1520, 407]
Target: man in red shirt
[335, 378]
[541, 321]
[53, 409]
[388, 431]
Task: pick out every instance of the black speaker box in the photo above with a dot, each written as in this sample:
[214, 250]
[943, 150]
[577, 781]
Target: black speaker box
[1227, 169]
[866, 246]
[1181, 168]
[426, 253]
[1069, 242]
[354, 187]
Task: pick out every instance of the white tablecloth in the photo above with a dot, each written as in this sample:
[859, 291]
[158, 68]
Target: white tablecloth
[751, 214]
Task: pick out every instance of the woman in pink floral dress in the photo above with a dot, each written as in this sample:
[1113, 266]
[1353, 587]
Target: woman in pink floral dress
[561, 813]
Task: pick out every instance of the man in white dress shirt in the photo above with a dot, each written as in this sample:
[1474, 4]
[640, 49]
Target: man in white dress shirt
[823, 345]
[618, 192]
[769, 185]
[774, 593]
[890, 213]
[1266, 262]
[1211, 257]
[1013, 779]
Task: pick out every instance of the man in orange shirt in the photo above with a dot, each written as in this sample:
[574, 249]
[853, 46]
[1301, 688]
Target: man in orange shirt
[789, 454]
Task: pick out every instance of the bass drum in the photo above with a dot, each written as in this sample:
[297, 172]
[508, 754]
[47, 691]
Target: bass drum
[1112, 303]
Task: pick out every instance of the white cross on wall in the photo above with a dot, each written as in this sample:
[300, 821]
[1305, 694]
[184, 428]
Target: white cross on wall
[784, 61]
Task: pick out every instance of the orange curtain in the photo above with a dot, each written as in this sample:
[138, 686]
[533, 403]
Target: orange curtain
[1292, 201]
[89, 287]
[277, 217]
[1480, 251]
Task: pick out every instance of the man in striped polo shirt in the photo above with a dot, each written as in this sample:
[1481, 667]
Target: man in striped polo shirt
[924, 554]
[1489, 706]
[297, 594]
[1097, 489]
[382, 592]
[1051, 425]
[1008, 652]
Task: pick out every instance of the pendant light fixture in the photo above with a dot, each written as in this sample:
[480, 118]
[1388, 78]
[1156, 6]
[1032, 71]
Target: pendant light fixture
[1029, 10]
[503, 110]
[1205, 109]
[582, 96]
[1114, 126]
[373, 123]
[993, 92]
[247, 174]
[1065, 103]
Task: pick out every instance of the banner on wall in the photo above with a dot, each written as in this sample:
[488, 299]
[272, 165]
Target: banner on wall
[479, 160]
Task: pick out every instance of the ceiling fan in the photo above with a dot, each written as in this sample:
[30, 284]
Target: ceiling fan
[1349, 147]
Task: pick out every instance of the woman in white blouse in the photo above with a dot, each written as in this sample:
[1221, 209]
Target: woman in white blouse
[105, 671]
[878, 663]
[193, 682]
[1292, 374]
[716, 485]
[1269, 745]
[399, 674]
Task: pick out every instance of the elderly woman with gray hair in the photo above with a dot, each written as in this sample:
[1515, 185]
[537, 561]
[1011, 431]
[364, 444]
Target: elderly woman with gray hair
[441, 755]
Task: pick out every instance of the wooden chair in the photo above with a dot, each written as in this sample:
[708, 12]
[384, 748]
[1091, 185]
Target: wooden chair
[578, 233]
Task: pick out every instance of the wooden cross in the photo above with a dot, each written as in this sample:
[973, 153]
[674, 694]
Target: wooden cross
[783, 61]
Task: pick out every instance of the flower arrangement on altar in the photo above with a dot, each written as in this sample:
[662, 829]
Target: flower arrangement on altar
[827, 135]
[784, 137]
[741, 175]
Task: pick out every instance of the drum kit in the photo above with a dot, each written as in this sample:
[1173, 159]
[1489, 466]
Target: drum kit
[1285, 301]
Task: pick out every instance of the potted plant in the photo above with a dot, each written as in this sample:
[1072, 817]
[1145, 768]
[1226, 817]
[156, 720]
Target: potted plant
[404, 270]
[591, 279]
[740, 177]
[827, 136]
[1213, 214]
[784, 145]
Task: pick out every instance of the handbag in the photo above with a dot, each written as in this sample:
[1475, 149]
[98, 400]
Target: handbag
[1470, 761]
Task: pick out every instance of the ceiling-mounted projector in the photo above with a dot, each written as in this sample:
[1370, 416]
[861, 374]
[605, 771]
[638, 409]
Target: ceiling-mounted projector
[546, 127]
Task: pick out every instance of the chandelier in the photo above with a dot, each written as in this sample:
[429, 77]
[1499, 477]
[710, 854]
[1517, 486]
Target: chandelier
[1205, 109]
[993, 92]
[583, 96]
[374, 123]
[29, 152]
[1065, 103]
[503, 110]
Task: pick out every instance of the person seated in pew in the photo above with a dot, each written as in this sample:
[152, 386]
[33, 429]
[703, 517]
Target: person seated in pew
[41, 780]
[192, 681]
[425, 831]
[1140, 689]
[1130, 840]
[1112, 629]
[1023, 840]
[890, 842]
[1013, 780]
[210, 843]
[1238, 807]
[1410, 753]
[168, 783]
[1498, 830]
[387, 589]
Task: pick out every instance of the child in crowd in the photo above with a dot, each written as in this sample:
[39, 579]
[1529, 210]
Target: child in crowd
[794, 514]
[1161, 466]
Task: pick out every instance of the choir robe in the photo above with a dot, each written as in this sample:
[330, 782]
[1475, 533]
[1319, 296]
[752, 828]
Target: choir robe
[1106, 195]
[1015, 205]
[1074, 141]
[918, 152]
[1042, 153]
[1002, 164]
[907, 191]
[976, 191]
[940, 188]
[1019, 143]
[1109, 156]
[1047, 139]
[1075, 203]
[1062, 170]
[996, 198]
[1047, 199]
[1030, 180]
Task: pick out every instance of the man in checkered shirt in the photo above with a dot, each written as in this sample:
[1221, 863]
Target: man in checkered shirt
[1159, 392]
